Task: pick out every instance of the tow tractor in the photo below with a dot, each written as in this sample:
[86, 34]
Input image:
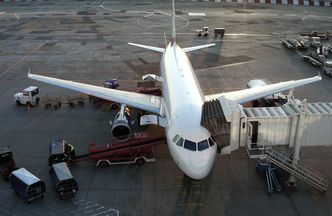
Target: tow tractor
[204, 32]
[29, 96]
[138, 149]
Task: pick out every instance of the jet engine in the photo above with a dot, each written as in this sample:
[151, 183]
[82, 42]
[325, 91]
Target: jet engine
[121, 126]
[256, 83]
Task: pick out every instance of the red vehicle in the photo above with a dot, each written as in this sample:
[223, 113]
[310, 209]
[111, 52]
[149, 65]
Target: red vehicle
[7, 162]
[138, 149]
[152, 90]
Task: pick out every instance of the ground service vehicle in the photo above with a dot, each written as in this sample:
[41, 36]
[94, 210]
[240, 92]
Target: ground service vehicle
[328, 67]
[63, 181]
[311, 60]
[203, 32]
[315, 42]
[26, 185]
[60, 151]
[138, 149]
[7, 162]
[112, 83]
[219, 31]
[29, 96]
[322, 36]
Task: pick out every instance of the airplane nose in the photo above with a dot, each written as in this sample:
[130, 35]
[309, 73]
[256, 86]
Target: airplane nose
[200, 165]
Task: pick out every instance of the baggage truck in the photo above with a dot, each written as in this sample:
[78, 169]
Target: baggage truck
[63, 181]
[27, 185]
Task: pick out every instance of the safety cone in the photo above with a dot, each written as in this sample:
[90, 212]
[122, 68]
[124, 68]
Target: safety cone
[29, 107]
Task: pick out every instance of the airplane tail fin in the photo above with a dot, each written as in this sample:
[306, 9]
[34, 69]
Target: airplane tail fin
[173, 23]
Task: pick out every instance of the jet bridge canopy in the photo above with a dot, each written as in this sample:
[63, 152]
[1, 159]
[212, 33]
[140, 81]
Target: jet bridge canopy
[277, 125]
[214, 119]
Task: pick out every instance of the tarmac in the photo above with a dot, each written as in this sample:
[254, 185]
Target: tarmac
[87, 42]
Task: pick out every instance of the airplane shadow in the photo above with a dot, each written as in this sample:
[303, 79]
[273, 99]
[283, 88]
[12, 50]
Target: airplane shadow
[191, 195]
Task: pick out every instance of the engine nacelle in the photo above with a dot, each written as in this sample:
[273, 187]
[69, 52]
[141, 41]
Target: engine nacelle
[256, 83]
[121, 126]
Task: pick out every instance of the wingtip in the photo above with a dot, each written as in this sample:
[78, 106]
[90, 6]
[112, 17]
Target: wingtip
[29, 73]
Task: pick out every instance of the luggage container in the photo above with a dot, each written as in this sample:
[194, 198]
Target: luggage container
[60, 151]
[26, 185]
[63, 181]
[7, 162]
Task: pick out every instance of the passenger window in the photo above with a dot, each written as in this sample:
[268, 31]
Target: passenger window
[211, 141]
[190, 145]
[180, 142]
[175, 138]
[202, 145]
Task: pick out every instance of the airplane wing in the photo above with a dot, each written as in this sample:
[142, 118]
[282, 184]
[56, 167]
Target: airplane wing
[246, 95]
[146, 102]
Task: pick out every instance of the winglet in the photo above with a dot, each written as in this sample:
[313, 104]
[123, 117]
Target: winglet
[29, 72]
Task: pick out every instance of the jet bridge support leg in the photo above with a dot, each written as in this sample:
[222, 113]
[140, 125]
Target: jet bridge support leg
[297, 145]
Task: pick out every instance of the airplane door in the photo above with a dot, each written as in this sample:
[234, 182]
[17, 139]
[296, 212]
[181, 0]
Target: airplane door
[254, 133]
[249, 133]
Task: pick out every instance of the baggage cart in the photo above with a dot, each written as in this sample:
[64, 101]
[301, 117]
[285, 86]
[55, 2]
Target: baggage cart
[63, 181]
[27, 185]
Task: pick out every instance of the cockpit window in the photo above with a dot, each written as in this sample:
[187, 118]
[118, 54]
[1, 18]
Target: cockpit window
[211, 141]
[202, 145]
[176, 138]
[190, 145]
[180, 142]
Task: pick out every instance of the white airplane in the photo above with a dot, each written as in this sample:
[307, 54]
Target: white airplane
[180, 106]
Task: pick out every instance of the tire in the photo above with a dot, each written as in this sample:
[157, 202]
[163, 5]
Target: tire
[18, 103]
[140, 161]
[103, 164]
[37, 100]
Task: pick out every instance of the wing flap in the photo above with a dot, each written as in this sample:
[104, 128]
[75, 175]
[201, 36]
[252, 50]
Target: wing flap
[146, 102]
[246, 95]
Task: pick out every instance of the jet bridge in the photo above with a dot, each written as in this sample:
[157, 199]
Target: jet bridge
[261, 129]
[279, 125]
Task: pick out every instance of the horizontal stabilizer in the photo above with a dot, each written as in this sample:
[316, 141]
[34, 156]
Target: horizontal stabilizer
[189, 49]
[156, 49]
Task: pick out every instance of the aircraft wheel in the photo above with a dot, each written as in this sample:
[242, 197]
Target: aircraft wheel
[140, 161]
[103, 164]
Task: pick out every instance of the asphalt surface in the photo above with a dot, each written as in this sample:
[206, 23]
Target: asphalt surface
[87, 42]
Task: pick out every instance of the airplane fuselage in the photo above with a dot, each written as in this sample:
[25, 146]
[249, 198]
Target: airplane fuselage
[182, 107]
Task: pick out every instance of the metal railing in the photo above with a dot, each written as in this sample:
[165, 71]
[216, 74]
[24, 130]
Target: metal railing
[301, 170]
